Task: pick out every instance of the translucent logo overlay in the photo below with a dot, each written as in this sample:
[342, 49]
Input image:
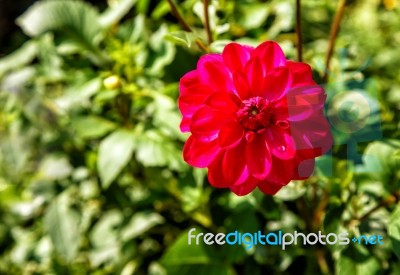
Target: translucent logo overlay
[278, 238]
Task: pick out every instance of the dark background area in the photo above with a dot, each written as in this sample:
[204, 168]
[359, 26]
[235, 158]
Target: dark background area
[11, 36]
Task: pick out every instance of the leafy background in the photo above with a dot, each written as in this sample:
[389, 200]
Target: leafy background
[91, 175]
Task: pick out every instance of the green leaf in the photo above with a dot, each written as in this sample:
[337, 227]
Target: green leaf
[105, 237]
[55, 168]
[76, 19]
[116, 12]
[19, 58]
[92, 126]
[154, 149]
[394, 230]
[62, 223]
[140, 223]
[182, 258]
[79, 95]
[164, 51]
[181, 38]
[357, 260]
[379, 158]
[292, 191]
[61, 15]
[254, 15]
[115, 151]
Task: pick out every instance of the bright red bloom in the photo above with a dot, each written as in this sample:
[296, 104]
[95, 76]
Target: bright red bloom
[256, 119]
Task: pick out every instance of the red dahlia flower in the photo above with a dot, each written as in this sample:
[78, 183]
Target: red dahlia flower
[256, 119]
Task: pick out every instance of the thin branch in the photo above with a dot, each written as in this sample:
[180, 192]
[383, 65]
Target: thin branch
[332, 37]
[322, 263]
[386, 202]
[184, 25]
[207, 21]
[178, 16]
[298, 32]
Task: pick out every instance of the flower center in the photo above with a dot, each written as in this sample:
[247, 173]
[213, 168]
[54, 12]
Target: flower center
[255, 114]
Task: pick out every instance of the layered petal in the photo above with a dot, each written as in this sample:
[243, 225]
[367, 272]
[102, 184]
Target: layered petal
[270, 54]
[230, 135]
[234, 165]
[207, 122]
[199, 153]
[213, 73]
[304, 168]
[255, 72]
[280, 143]
[242, 87]
[187, 81]
[245, 188]
[215, 177]
[316, 130]
[269, 188]
[301, 72]
[235, 56]
[193, 98]
[276, 83]
[223, 102]
[258, 157]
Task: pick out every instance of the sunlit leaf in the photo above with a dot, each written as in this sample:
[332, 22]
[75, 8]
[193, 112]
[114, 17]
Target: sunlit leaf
[62, 223]
[116, 12]
[182, 258]
[92, 126]
[115, 151]
[78, 20]
[140, 223]
[394, 230]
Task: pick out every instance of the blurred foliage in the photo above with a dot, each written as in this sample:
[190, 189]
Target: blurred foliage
[91, 175]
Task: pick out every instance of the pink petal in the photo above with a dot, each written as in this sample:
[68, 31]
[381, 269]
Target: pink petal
[255, 72]
[241, 85]
[269, 188]
[282, 171]
[236, 56]
[193, 99]
[258, 157]
[270, 54]
[187, 81]
[304, 147]
[213, 73]
[244, 188]
[304, 170]
[223, 102]
[302, 102]
[185, 124]
[234, 165]
[215, 176]
[199, 153]
[280, 143]
[230, 135]
[317, 131]
[301, 72]
[206, 122]
[276, 84]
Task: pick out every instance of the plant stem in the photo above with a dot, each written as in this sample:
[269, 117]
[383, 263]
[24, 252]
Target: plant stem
[207, 21]
[386, 202]
[178, 16]
[184, 25]
[298, 32]
[332, 37]
[323, 265]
